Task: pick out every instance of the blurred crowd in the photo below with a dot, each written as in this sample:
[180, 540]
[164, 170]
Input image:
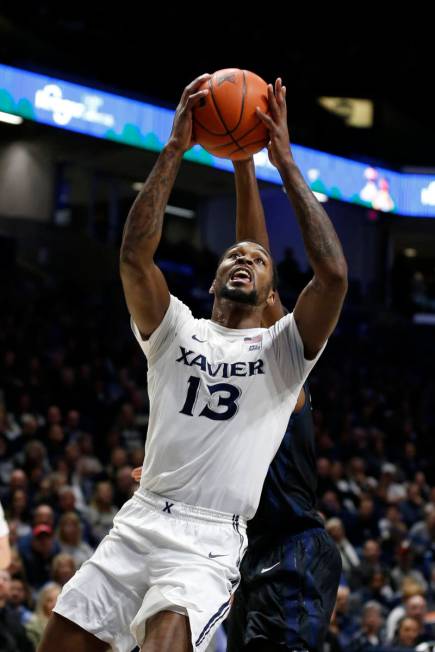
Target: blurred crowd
[73, 422]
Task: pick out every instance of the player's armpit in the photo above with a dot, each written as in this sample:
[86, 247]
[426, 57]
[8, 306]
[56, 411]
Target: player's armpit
[273, 313]
[146, 294]
[317, 311]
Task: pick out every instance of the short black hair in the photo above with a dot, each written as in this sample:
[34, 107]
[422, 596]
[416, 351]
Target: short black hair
[275, 278]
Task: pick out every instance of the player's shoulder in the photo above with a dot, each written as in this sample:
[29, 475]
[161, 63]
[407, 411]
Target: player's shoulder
[282, 326]
[281, 323]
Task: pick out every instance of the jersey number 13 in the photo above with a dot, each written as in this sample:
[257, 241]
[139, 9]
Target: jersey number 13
[227, 397]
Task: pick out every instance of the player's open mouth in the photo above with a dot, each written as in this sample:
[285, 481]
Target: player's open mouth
[241, 275]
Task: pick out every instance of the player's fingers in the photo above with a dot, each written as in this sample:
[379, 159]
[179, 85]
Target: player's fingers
[193, 100]
[273, 105]
[195, 84]
[284, 102]
[265, 118]
[279, 92]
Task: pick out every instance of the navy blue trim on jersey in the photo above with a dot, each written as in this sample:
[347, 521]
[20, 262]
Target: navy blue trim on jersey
[219, 615]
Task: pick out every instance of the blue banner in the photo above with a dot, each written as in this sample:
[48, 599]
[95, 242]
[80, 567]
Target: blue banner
[96, 113]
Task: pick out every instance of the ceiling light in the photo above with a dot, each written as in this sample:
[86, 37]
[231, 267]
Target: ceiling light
[10, 118]
[410, 252]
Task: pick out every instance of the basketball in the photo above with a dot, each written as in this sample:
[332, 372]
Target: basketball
[225, 122]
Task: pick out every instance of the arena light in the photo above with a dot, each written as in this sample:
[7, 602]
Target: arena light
[354, 112]
[187, 213]
[180, 212]
[410, 252]
[10, 119]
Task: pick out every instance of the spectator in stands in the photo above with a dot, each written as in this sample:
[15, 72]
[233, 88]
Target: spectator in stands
[349, 557]
[404, 567]
[370, 634]
[412, 507]
[392, 530]
[13, 636]
[16, 567]
[63, 568]
[19, 599]
[422, 535]
[44, 606]
[370, 562]
[38, 557]
[6, 461]
[70, 538]
[407, 633]
[101, 512]
[378, 589]
[345, 622]
[18, 480]
[414, 605]
[366, 525]
[42, 515]
[389, 487]
[124, 486]
[18, 512]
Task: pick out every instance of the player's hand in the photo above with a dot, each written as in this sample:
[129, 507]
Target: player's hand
[181, 134]
[136, 474]
[276, 123]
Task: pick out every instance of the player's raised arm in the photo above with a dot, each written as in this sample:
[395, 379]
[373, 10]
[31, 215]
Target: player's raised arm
[319, 304]
[251, 222]
[145, 288]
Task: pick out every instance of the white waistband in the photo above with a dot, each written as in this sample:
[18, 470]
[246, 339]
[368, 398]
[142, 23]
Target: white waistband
[175, 508]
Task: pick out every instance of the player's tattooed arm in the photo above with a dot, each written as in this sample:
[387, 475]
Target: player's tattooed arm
[143, 228]
[251, 222]
[145, 288]
[319, 304]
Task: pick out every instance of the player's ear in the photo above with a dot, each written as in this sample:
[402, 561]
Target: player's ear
[211, 290]
[271, 298]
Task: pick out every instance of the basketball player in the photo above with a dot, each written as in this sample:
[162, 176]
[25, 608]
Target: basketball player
[291, 570]
[165, 575]
[5, 550]
[275, 607]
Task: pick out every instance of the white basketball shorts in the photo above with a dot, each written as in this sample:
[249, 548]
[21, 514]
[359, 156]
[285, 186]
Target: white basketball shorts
[159, 555]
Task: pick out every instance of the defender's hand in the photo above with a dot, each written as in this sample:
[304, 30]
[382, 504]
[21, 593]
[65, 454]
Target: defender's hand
[136, 474]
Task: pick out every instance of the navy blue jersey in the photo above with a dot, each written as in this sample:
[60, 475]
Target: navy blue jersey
[288, 499]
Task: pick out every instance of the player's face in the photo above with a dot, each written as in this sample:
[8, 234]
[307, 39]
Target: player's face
[245, 274]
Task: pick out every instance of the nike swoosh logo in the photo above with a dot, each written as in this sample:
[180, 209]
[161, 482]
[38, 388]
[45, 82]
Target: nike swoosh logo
[197, 339]
[211, 556]
[264, 570]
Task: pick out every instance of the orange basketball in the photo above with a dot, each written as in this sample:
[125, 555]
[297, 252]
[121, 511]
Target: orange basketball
[225, 122]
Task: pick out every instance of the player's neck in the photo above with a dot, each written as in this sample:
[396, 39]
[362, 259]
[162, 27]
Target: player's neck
[236, 315]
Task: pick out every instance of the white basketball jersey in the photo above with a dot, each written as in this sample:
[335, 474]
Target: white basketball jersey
[220, 401]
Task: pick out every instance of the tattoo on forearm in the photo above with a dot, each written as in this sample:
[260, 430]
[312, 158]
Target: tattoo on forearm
[145, 219]
[321, 241]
